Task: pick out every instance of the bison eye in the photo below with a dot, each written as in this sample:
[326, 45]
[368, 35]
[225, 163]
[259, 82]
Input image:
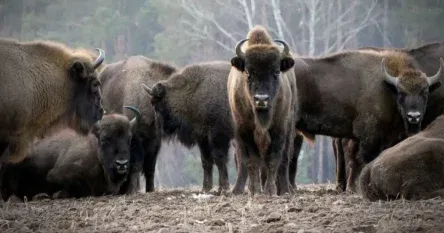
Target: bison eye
[401, 97]
[95, 87]
[104, 141]
[277, 73]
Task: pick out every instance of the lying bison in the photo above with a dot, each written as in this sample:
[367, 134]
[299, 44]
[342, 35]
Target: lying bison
[194, 108]
[79, 165]
[57, 86]
[385, 90]
[262, 97]
[121, 85]
[428, 60]
[412, 169]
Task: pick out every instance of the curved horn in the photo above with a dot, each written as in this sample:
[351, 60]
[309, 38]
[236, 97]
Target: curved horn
[99, 59]
[435, 78]
[239, 52]
[286, 49]
[147, 89]
[387, 77]
[136, 113]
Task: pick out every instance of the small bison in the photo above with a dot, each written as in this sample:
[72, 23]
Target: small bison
[262, 98]
[75, 164]
[121, 85]
[58, 87]
[412, 169]
[193, 105]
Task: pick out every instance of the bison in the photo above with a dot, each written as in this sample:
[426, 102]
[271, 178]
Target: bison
[427, 57]
[262, 97]
[412, 169]
[58, 87]
[121, 85]
[193, 105]
[385, 90]
[79, 165]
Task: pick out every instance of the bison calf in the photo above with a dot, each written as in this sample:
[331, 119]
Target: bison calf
[412, 169]
[80, 165]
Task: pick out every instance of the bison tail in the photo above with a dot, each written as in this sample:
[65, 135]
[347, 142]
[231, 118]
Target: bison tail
[309, 137]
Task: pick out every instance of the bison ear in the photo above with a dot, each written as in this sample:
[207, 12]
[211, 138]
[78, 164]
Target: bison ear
[78, 70]
[238, 63]
[434, 86]
[391, 87]
[286, 64]
[158, 90]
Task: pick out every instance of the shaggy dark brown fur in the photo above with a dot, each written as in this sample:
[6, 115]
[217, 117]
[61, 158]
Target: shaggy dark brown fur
[412, 169]
[262, 98]
[194, 108]
[44, 86]
[94, 164]
[371, 104]
[122, 85]
[427, 57]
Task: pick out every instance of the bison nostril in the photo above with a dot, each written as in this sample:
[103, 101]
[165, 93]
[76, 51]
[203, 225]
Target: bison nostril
[122, 162]
[261, 97]
[414, 116]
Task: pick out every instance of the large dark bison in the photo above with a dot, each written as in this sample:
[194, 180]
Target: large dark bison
[194, 108]
[385, 90]
[121, 84]
[412, 169]
[44, 85]
[94, 164]
[262, 98]
[427, 58]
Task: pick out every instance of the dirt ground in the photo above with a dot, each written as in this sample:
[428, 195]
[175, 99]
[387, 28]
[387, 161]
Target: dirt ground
[314, 208]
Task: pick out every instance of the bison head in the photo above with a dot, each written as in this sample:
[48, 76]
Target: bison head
[114, 134]
[262, 66]
[87, 98]
[412, 88]
[165, 99]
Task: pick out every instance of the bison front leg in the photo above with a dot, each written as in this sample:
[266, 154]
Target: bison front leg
[151, 149]
[207, 165]
[242, 172]
[221, 160]
[253, 166]
[293, 165]
[350, 154]
[338, 152]
[282, 156]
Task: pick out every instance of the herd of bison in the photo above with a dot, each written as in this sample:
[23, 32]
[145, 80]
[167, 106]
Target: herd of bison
[74, 126]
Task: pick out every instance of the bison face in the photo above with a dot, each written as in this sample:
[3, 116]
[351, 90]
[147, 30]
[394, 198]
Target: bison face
[263, 66]
[160, 104]
[87, 97]
[114, 142]
[412, 88]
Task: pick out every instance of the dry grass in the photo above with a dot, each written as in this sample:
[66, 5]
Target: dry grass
[313, 209]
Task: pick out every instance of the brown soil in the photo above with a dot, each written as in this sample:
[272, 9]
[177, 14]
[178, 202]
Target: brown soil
[313, 209]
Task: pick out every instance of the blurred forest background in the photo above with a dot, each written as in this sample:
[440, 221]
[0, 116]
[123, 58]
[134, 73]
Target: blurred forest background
[189, 31]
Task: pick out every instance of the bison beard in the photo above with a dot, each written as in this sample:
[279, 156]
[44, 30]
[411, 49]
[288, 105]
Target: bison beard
[262, 101]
